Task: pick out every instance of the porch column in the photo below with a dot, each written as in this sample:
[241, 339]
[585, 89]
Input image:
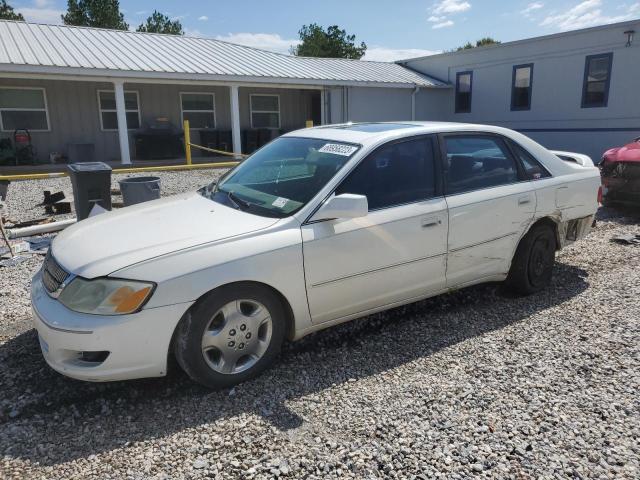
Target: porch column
[235, 119]
[123, 134]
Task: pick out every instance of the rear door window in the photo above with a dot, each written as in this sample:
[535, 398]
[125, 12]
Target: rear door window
[395, 174]
[475, 162]
[533, 169]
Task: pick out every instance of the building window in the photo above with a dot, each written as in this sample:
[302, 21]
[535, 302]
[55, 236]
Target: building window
[463, 92]
[597, 76]
[521, 87]
[265, 111]
[24, 108]
[199, 109]
[108, 115]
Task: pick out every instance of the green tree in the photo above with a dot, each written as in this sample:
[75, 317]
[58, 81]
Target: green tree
[483, 42]
[95, 13]
[7, 13]
[330, 43]
[159, 23]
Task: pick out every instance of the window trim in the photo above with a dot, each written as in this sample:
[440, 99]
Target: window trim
[46, 108]
[252, 111]
[437, 169]
[515, 108]
[182, 110]
[109, 110]
[511, 144]
[585, 83]
[522, 174]
[458, 75]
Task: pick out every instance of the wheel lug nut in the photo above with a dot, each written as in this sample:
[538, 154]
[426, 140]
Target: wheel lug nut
[243, 327]
[231, 343]
[232, 332]
[248, 335]
[241, 346]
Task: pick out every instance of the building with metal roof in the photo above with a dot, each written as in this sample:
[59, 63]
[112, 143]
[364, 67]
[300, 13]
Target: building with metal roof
[97, 94]
[116, 95]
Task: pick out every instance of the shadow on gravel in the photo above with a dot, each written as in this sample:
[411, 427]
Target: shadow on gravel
[623, 215]
[47, 418]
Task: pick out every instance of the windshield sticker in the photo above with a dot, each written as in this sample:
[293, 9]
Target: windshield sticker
[280, 202]
[338, 149]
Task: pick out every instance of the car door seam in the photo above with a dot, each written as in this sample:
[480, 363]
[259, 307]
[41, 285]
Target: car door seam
[346, 277]
[453, 250]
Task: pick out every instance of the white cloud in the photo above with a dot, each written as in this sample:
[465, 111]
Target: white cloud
[450, 6]
[445, 24]
[41, 11]
[586, 14]
[440, 12]
[264, 41]
[383, 54]
[203, 18]
[531, 8]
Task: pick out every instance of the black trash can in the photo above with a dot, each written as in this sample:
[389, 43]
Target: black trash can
[91, 183]
[139, 189]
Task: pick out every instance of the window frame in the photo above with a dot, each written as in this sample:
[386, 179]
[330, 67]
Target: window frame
[437, 170]
[585, 81]
[252, 111]
[46, 108]
[522, 174]
[458, 75]
[109, 110]
[514, 107]
[512, 144]
[182, 110]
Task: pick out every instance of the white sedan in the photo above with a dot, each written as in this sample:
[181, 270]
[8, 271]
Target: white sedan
[318, 227]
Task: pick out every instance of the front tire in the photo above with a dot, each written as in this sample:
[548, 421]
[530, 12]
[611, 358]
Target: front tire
[230, 336]
[532, 265]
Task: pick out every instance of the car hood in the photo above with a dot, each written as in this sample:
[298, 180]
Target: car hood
[111, 241]
[628, 153]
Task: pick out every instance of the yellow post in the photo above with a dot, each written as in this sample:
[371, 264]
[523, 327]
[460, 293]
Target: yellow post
[187, 142]
[309, 123]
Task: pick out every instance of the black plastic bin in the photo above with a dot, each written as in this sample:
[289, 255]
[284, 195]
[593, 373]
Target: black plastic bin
[91, 183]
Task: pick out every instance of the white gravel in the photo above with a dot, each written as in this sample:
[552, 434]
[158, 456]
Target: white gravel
[471, 384]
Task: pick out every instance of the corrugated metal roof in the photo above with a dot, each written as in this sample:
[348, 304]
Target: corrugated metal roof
[31, 47]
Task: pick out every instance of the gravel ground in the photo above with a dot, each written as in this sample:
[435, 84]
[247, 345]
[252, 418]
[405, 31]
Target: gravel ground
[472, 383]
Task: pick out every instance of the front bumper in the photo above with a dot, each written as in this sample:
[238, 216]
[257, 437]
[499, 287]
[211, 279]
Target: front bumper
[137, 344]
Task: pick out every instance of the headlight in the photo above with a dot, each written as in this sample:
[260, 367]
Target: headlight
[105, 296]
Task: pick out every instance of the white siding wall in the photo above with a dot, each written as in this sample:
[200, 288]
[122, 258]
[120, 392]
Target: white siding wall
[556, 118]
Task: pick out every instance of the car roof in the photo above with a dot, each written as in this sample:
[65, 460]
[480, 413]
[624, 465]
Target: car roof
[371, 132]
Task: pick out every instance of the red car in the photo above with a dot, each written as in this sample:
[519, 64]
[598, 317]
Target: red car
[620, 170]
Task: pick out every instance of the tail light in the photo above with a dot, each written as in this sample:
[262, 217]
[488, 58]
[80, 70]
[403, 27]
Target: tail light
[600, 194]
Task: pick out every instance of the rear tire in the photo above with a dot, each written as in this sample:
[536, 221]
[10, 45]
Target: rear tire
[532, 265]
[230, 336]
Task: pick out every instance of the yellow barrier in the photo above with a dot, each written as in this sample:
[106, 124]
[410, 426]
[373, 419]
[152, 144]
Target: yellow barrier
[187, 141]
[167, 168]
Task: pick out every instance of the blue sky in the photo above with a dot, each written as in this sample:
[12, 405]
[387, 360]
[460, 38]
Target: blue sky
[392, 29]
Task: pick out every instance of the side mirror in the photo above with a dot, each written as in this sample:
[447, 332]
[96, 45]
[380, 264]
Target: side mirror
[346, 205]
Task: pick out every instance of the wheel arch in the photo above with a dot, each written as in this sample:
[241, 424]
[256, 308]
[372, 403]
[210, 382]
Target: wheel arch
[289, 316]
[550, 222]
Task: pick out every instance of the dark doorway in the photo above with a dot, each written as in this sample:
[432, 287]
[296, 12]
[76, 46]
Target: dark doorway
[316, 108]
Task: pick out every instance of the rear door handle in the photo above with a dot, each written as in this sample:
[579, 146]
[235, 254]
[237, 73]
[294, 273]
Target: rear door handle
[431, 222]
[524, 200]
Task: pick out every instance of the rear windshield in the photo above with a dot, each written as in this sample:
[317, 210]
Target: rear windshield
[283, 176]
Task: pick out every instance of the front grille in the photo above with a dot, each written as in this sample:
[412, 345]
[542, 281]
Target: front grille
[53, 275]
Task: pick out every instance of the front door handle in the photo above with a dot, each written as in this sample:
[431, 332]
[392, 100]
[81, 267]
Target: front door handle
[431, 222]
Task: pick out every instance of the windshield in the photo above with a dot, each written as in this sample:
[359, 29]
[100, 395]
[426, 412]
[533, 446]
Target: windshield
[283, 176]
